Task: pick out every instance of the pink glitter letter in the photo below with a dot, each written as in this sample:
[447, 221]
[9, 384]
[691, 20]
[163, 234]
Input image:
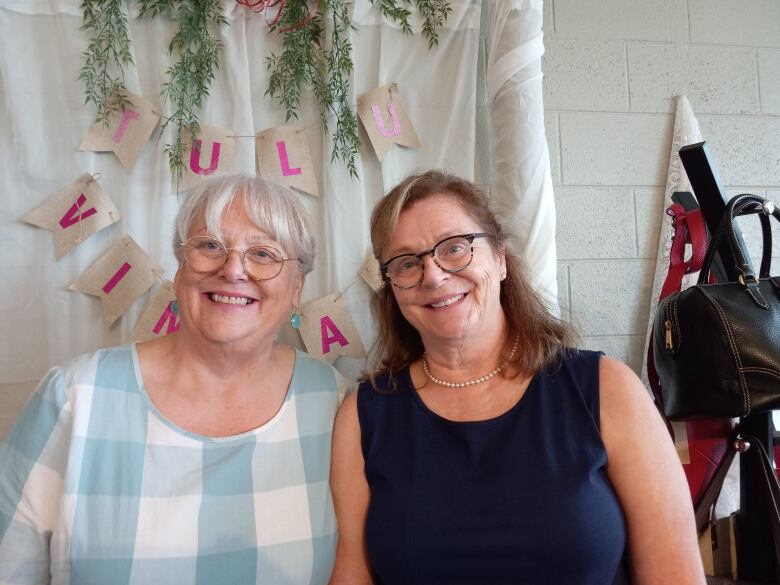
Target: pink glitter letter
[195, 158]
[114, 280]
[335, 335]
[380, 123]
[70, 218]
[170, 317]
[127, 115]
[281, 148]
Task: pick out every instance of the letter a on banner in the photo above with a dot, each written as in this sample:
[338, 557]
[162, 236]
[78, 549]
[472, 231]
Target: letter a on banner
[283, 156]
[74, 214]
[118, 277]
[328, 331]
[211, 152]
[127, 131]
[385, 120]
[158, 318]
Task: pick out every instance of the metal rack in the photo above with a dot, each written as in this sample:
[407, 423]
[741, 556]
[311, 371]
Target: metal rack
[753, 531]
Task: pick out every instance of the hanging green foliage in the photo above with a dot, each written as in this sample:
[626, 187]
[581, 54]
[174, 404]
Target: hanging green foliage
[190, 77]
[307, 61]
[106, 57]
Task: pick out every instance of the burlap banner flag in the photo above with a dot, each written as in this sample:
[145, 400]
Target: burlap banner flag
[126, 133]
[385, 120]
[118, 277]
[211, 153]
[369, 272]
[328, 331]
[74, 214]
[283, 156]
[158, 318]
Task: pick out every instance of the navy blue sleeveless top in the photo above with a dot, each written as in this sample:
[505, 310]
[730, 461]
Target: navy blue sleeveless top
[522, 498]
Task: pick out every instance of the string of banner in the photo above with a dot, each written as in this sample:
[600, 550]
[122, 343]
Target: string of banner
[126, 272]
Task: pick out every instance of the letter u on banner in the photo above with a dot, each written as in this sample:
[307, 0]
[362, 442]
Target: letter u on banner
[195, 157]
[380, 122]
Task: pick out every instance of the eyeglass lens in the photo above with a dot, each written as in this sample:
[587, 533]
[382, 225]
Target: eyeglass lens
[452, 254]
[205, 254]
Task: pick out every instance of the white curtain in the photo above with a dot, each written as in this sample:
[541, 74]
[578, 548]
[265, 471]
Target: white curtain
[43, 119]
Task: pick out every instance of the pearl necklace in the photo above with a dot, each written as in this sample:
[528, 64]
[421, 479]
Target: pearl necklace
[479, 380]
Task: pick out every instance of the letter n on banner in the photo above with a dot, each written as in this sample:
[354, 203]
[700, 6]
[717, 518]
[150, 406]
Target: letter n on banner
[118, 277]
[158, 319]
[328, 331]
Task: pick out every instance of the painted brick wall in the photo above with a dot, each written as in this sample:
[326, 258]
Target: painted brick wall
[612, 68]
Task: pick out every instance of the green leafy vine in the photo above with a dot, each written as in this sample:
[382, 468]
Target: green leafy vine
[434, 14]
[305, 61]
[191, 76]
[106, 57]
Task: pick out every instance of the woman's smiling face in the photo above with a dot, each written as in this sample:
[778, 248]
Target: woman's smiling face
[227, 306]
[447, 306]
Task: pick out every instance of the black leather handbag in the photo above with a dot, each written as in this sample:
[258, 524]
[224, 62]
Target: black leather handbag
[717, 346]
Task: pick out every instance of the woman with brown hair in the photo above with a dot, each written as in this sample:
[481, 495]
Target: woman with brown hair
[486, 449]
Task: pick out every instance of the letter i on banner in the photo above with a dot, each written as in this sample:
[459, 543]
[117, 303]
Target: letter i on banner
[74, 214]
[118, 277]
[158, 318]
[127, 131]
[283, 156]
[211, 152]
[328, 331]
[385, 120]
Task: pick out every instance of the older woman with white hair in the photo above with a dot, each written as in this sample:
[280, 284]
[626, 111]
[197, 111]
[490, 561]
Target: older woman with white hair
[198, 457]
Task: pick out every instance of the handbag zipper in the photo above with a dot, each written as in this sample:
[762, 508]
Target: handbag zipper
[670, 317]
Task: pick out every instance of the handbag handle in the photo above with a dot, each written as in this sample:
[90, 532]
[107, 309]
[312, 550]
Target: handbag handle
[772, 494]
[703, 511]
[744, 204]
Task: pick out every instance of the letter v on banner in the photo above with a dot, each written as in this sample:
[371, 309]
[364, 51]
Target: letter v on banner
[74, 214]
[328, 331]
[71, 218]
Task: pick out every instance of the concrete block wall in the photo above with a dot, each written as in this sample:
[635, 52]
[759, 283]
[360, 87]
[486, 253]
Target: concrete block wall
[612, 69]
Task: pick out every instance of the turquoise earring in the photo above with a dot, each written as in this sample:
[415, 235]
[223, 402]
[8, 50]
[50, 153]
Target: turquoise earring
[175, 306]
[295, 318]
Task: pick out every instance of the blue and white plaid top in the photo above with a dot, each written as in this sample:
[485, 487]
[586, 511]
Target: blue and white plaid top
[97, 487]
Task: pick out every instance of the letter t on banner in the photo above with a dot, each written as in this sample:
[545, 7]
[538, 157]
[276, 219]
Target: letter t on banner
[127, 131]
[118, 277]
[328, 331]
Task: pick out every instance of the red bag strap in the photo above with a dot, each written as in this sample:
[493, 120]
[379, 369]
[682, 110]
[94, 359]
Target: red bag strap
[688, 228]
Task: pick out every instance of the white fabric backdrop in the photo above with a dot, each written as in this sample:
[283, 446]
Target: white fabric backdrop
[43, 119]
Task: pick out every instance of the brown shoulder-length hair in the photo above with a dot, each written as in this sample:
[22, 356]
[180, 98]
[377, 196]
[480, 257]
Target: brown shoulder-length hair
[542, 336]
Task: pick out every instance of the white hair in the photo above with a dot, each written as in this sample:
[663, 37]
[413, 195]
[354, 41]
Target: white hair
[273, 208]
